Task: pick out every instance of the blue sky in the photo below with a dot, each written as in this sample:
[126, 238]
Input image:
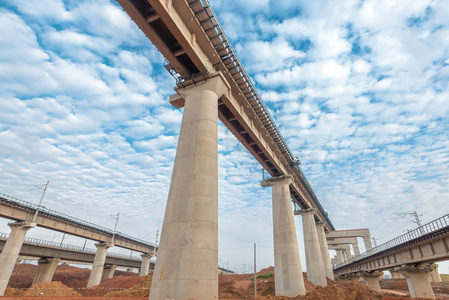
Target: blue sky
[359, 90]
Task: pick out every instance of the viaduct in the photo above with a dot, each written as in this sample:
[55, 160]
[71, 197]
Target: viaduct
[212, 84]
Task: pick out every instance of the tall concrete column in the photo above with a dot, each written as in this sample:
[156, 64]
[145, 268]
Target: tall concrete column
[314, 261]
[108, 271]
[435, 275]
[340, 258]
[367, 242]
[11, 251]
[372, 279]
[46, 268]
[145, 267]
[98, 265]
[347, 250]
[356, 249]
[324, 250]
[287, 264]
[417, 277]
[187, 261]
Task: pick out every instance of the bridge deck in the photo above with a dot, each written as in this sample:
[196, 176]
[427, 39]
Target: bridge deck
[429, 243]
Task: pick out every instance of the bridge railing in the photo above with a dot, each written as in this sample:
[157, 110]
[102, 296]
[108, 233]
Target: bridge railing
[411, 235]
[70, 247]
[257, 104]
[44, 210]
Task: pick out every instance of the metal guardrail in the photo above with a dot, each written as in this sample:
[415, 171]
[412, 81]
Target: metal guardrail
[44, 210]
[67, 246]
[430, 227]
[256, 102]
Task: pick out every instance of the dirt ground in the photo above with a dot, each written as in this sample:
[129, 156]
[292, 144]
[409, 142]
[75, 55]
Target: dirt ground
[69, 283]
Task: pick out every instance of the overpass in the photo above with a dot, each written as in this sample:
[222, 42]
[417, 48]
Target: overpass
[19, 210]
[28, 215]
[50, 254]
[211, 83]
[412, 254]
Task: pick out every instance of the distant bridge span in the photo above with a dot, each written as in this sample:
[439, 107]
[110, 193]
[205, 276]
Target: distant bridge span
[426, 244]
[18, 210]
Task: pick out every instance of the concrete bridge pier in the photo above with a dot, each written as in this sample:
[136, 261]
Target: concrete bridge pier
[356, 249]
[347, 251]
[435, 275]
[367, 242]
[372, 279]
[417, 277]
[145, 268]
[324, 250]
[108, 271]
[98, 265]
[11, 250]
[46, 268]
[186, 265]
[314, 261]
[340, 258]
[289, 280]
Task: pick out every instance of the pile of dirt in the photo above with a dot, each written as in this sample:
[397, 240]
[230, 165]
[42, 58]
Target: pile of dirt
[54, 288]
[115, 283]
[140, 289]
[342, 291]
[394, 284]
[22, 276]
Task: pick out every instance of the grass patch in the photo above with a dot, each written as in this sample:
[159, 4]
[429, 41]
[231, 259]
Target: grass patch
[264, 276]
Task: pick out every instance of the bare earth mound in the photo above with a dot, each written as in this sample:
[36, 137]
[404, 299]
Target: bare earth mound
[54, 288]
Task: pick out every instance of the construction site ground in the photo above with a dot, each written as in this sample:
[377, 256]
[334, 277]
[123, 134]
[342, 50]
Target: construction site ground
[69, 283]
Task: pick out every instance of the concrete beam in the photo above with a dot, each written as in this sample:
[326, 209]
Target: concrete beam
[11, 251]
[372, 279]
[314, 261]
[45, 269]
[324, 250]
[186, 266]
[145, 267]
[289, 280]
[98, 265]
[417, 277]
[108, 271]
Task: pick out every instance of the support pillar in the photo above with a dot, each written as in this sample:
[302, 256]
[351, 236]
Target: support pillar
[314, 262]
[340, 258]
[187, 261]
[98, 265]
[417, 277]
[145, 267]
[435, 275]
[324, 250]
[347, 251]
[108, 271]
[356, 249]
[288, 277]
[367, 242]
[11, 250]
[372, 279]
[46, 268]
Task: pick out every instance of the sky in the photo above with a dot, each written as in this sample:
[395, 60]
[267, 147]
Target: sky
[358, 88]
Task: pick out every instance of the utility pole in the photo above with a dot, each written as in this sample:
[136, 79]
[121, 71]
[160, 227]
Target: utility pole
[40, 202]
[115, 228]
[416, 221]
[155, 243]
[255, 277]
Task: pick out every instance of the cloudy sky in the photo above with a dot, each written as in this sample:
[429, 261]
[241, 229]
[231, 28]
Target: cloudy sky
[358, 88]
